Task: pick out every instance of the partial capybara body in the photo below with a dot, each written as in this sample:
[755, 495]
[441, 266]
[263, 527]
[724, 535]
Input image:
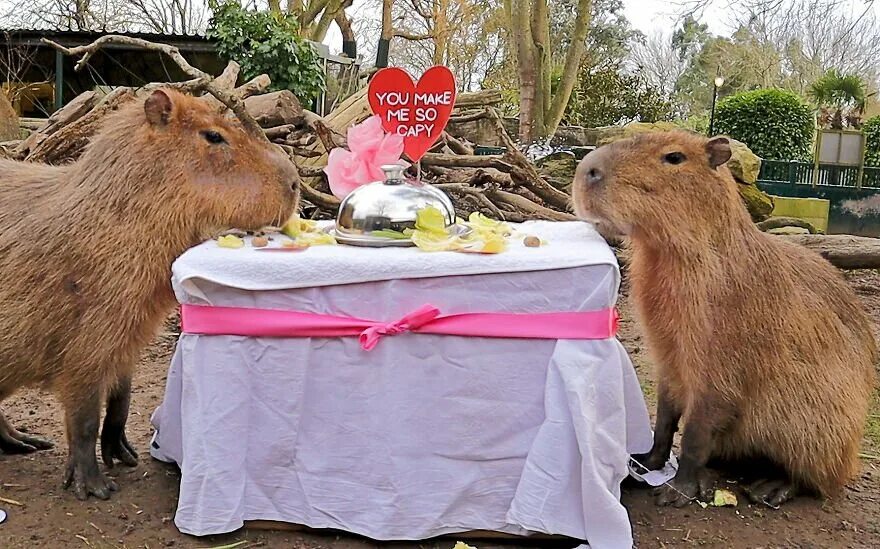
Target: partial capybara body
[761, 348]
[86, 256]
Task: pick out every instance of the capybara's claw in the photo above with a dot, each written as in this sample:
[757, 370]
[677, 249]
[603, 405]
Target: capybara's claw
[676, 496]
[679, 493]
[115, 446]
[88, 480]
[771, 492]
[13, 441]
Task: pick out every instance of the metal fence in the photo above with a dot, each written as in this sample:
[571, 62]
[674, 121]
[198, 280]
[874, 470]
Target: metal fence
[802, 173]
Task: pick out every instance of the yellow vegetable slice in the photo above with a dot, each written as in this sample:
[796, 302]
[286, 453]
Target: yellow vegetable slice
[296, 226]
[724, 498]
[230, 241]
[434, 242]
[431, 220]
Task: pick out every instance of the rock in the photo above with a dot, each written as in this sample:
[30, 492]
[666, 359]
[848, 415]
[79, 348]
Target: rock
[789, 230]
[743, 164]
[610, 134]
[9, 129]
[758, 203]
[573, 136]
[559, 167]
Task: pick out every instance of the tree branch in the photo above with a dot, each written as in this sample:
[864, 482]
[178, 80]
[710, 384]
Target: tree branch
[414, 37]
[234, 103]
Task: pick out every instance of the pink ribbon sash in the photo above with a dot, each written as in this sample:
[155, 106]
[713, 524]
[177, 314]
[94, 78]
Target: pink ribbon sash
[210, 320]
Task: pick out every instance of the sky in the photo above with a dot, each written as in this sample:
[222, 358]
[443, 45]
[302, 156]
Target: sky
[650, 16]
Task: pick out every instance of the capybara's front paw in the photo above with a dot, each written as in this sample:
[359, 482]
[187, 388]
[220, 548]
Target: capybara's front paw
[115, 446]
[681, 491]
[652, 461]
[87, 480]
[771, 492]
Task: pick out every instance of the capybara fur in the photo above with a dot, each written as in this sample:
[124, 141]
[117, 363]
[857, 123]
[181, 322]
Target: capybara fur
[761, 348]
[86, 258]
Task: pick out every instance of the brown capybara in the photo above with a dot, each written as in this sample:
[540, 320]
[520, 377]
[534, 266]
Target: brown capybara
[761, 348]
[86, 258]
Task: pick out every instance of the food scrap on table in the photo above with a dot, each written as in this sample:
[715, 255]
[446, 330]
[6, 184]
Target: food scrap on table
[230, 241]
[462, 545]
[486, 236]
[259, 242]
[532, 242]
[306, 232]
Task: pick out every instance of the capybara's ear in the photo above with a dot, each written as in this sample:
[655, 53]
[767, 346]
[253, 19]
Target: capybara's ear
[718, 151]
[158, 108]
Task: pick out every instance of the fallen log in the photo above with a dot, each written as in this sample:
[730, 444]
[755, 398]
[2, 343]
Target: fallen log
[780, 222]
[67, 144]
[275, 109]
[466, 161]
[842, 251]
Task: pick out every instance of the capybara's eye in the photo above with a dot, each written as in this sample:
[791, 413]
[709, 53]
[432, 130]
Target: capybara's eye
[213, 137]
[674, 158]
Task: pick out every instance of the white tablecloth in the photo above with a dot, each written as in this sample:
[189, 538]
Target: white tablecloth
[425, 435]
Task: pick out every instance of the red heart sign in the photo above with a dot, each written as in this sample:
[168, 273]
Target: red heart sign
[419, 112]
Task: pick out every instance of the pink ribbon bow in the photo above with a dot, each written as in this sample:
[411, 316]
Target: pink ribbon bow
[413, 321]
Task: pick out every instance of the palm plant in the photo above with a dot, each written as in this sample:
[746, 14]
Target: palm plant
[843, 97]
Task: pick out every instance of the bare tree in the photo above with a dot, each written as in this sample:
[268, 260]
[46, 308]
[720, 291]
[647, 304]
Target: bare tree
[818, 36]
[658, 62]
[66, 14]
[168, 16]
[158, 16]
[464, 35]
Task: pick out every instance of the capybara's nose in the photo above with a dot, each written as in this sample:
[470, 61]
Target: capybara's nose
[594, 176]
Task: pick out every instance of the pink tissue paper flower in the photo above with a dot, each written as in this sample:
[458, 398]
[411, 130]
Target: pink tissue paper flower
[370, 148]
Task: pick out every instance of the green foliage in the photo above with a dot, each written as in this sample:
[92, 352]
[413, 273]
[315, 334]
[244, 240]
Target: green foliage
[607, 95]
[835, 89]
[872, 138]
[775, 124]
[842, 97]
[694, 123]
[269, 43]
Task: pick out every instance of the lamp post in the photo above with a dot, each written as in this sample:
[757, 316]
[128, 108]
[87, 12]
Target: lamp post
[717, 83]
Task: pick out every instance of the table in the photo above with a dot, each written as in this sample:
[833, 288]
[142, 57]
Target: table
[426, 434]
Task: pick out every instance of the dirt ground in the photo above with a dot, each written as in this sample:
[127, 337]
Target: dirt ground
[41, 514]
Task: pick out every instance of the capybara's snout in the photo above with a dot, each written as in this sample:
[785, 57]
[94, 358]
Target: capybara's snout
[593, 169]
[285, 170]
[591, 176]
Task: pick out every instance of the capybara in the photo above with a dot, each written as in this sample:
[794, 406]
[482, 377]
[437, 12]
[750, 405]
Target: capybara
[86, 258]
[761, 348]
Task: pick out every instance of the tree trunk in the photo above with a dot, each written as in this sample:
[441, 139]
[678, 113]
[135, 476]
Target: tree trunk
[570, 72]
[519, 12]
[386, 36]
[842, 251]
[319, 31]
[349, 42]
[441, 31]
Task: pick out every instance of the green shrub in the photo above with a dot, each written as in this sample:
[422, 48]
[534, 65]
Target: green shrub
[872, 138]
[775, 124]
[266, 43]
